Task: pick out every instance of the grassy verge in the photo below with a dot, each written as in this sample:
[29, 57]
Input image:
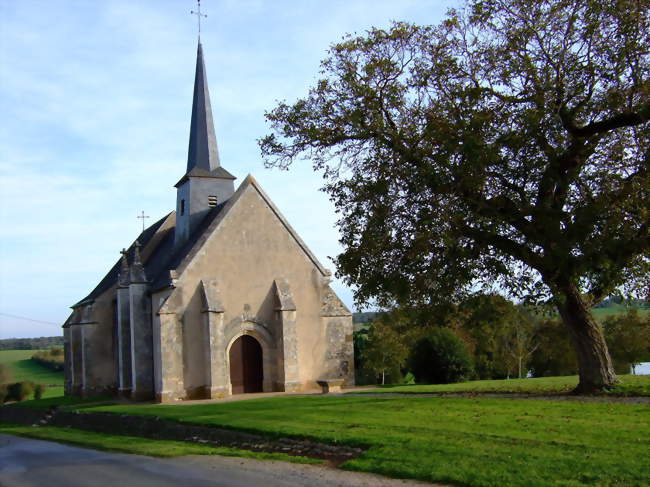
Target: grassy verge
[24, 368]
[630, 385]
[139, 446]
[472, 442]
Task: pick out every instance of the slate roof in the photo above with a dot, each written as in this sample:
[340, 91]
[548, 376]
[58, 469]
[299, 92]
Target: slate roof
[163, 258]
[160, 260]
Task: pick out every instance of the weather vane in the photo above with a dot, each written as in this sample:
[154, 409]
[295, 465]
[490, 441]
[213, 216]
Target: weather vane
[198, 14]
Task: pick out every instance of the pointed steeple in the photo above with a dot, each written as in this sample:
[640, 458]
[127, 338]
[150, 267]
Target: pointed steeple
[206, 184]
[203, 152]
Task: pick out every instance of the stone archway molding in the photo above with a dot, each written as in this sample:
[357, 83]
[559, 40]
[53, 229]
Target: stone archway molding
[265, 339]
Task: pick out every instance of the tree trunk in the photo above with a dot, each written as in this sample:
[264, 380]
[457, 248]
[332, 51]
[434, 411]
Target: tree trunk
[594, 363]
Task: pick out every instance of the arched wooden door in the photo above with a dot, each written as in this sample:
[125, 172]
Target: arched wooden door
[246, 372]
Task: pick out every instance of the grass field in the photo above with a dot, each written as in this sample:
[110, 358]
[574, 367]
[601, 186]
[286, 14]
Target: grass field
[23, 368]
[630, 385]
[471, 442]
[602, 313]
[139, 446]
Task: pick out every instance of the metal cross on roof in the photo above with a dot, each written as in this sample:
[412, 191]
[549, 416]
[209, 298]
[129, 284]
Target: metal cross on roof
[143, 216]
[198, 14]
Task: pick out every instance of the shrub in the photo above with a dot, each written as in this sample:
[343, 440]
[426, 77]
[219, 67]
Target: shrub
[5, 374]
[3, 393]
[385, 351]
[39, 389]
[441, 357]
[19, 391]
[52, 358]
[554, 354]
[409, 378]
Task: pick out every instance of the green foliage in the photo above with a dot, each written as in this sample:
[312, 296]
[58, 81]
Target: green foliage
[628, 337]
[362, 375]
[554, 355]
[385, 351]
[39, 389]
[473, 442]
[440, 357]
[507, 146]
[500, 335]
[30, 343]
[19, 391]
[5, 374]
[409, 378]
[3, 393]
[52, 359]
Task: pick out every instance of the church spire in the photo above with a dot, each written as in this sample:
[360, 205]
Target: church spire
[206, 184]
[203, 152]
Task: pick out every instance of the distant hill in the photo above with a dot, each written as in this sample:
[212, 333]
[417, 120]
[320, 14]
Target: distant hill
[31, 343]
[365, 317]
[620, 302]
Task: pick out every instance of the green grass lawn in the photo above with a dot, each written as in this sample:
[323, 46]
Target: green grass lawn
[139, 446]
[630, 385]
[23, 368]
[462, 441]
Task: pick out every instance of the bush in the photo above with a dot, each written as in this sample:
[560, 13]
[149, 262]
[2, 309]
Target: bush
[441, 358]
[19, 391]
[52, 359]
[39, 389]
[3, 393]
[554, 355]
[5, 374]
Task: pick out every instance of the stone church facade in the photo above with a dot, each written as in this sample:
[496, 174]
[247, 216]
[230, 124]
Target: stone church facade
[218, 297]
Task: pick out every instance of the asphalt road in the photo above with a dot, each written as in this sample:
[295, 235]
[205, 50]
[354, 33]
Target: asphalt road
[25, 463]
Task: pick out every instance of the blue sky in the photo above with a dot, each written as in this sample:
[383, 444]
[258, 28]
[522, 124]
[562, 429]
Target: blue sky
[96, 100]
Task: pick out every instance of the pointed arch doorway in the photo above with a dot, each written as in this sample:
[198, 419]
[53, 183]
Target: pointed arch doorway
[246, 365]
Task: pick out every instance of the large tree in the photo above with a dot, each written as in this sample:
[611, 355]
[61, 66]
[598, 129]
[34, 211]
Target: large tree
[507, 146]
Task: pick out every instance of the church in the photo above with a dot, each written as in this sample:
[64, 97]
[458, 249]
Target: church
[219, 297]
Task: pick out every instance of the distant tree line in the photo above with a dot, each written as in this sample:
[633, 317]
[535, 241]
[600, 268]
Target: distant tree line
[31, 343]
[486, 337]
[364, 317]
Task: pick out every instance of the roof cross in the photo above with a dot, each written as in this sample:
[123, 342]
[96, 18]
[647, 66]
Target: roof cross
[198, 14]
[143, 216]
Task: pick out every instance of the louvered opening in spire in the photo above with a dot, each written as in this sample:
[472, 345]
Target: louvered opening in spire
[203, 152]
